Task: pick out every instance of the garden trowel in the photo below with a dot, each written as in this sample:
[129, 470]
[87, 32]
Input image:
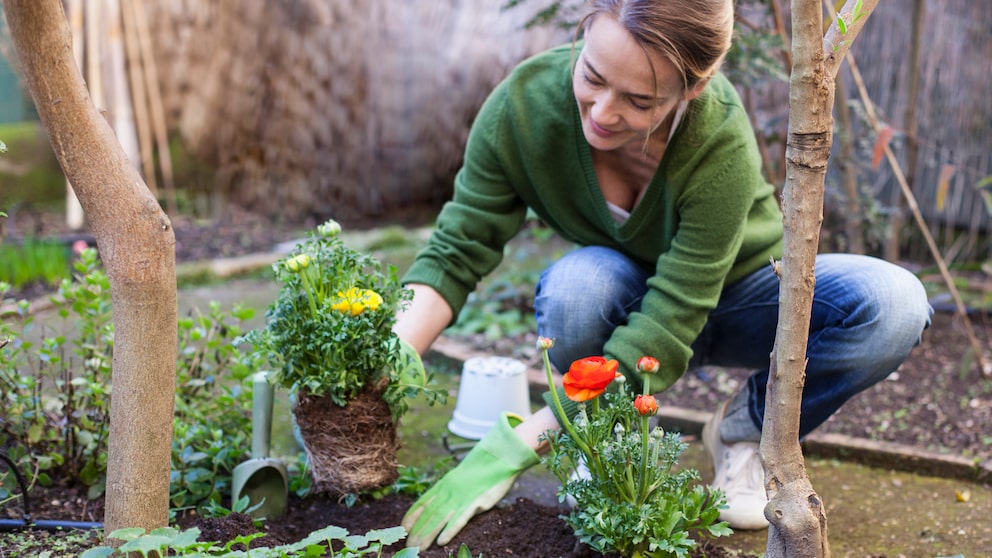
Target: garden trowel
[262, 479]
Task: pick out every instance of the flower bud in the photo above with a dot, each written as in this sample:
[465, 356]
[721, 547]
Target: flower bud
[543, 343]
[647, 365]
[298, 262]
[329, 229]
[646, 405]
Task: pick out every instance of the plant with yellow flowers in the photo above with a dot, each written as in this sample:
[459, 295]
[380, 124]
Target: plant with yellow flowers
[330, 328]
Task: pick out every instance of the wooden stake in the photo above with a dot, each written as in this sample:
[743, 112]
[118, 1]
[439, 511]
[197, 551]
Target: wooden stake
[121, 113]
[155, 103]
[74, 217]
[136, 75]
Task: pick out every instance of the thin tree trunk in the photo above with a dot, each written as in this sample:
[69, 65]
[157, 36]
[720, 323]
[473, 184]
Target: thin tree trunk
[795, 511]
[137, 245]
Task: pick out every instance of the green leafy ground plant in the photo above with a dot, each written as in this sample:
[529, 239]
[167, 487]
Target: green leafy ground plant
[633, 502]
[55, 392]
[173, 542]
[33, 261]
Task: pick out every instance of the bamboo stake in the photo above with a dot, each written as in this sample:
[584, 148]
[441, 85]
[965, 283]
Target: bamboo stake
[135, 70]
[118, 92]
[94, 76]
[155, 103]
[74, 217]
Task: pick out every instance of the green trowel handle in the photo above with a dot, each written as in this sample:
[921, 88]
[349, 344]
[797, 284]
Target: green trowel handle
[261, 415]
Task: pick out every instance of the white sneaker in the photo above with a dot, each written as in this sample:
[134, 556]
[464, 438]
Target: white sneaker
[738, 471]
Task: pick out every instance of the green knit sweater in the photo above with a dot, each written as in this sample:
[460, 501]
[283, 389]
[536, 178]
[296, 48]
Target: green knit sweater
[707, 219]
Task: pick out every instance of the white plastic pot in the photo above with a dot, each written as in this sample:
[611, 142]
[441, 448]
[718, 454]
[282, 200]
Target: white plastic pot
[489, 386]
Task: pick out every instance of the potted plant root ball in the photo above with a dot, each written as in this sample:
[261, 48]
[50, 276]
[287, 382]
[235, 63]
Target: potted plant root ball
[329, 336]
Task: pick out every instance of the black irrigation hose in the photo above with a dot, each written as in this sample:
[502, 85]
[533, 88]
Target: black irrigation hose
[25, 522]
[20, 482]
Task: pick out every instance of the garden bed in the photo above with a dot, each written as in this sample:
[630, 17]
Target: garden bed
[937, 401]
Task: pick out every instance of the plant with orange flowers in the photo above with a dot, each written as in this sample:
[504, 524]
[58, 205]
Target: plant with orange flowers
[629, 497]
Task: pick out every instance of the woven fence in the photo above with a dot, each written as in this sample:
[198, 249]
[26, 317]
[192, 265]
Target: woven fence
[361, 107]
[343, 108]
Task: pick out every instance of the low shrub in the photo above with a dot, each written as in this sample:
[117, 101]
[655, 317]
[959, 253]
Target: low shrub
[55, 392]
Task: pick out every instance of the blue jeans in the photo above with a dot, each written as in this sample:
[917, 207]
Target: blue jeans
[867, 315]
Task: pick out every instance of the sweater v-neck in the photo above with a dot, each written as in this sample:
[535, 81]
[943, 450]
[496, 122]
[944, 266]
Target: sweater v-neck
[609, 215]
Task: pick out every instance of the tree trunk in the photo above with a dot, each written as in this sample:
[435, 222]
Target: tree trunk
[137, 244]
[796, 513]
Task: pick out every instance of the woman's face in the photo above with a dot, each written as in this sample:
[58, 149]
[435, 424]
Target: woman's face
[619, 102]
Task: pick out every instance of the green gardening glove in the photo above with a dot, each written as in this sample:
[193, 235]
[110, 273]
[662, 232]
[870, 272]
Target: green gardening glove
[409, 366]
[483, 477]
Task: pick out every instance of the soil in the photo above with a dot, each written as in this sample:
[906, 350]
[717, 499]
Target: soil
[937, 401]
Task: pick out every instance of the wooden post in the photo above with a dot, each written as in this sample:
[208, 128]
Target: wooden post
[74, 217]
[136, 76]
[155, 103]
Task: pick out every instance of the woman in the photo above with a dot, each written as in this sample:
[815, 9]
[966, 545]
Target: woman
[631, 144]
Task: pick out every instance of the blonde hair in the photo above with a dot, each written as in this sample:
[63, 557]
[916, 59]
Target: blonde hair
[693, 34]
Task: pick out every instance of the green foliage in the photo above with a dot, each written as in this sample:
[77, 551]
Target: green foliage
[856, 15]
[173, 542]
[413, 481]
[634, 502]
[503, 306]
[501, 310]
[755, 57]
[55, 393]
[301, 481]
[33, 261]
[212, 421]
[563, 14]
[329, 332]
[464, 552]
[242, 505]
[35, 178]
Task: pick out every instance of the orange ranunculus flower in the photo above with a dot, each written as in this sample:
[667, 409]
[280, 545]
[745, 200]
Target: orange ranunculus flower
[587, 378]
[646, 405]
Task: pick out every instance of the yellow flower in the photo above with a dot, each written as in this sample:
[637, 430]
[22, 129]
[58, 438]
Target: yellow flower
[356, 301]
